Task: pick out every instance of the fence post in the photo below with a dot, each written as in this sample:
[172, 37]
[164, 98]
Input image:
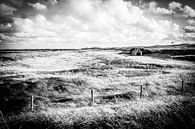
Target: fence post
[182, 88]
[115, 99]
[190, 86]
[141, 91]
[32, 103]
[92, 98]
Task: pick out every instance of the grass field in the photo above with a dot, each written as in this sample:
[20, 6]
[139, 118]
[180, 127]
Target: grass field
[61, 82]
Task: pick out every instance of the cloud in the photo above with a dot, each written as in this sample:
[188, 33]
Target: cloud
[181, 11]
[18, 3]
[175, 5]
[190, 37]
[86, 23]
[191, 21]
[6, 10]
[7, 28]
[174, 8]
[38, 6]
[188, 11]
[189, 33]
[189, 29]
[153, 8]
[5, 37]
[53, 2]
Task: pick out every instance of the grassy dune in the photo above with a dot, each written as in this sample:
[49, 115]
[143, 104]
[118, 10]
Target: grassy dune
[165, 112]
[61, 82]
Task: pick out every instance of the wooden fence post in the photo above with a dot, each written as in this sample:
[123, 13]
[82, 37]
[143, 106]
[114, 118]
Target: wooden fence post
[32, 103]
[141, 91]
[115, 99]
[92, 98]
[190, 86]
[182, 86]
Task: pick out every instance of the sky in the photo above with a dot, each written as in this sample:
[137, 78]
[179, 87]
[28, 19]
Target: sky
[70, 24]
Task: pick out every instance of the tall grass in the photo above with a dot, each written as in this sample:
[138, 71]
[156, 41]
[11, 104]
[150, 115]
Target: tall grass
[61, 83]
[167, 112]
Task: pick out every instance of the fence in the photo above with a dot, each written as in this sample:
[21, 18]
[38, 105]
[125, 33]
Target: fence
[115, 97]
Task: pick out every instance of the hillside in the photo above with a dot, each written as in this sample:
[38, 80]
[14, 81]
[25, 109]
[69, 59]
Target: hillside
[61, 82]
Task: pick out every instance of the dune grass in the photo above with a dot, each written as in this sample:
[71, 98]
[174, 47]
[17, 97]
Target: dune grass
[166, 112]
[61, 83]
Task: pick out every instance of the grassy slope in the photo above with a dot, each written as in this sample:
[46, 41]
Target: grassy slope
[171, 112]
[63, 81]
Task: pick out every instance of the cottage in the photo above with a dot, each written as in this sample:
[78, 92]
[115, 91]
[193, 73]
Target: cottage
[136, 52]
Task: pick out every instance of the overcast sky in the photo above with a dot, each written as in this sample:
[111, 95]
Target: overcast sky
[43, 24]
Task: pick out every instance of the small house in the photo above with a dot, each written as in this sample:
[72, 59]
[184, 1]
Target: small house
[136, 52]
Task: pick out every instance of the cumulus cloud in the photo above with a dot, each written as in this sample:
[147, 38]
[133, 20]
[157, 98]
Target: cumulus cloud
[7, 28]
[175, 5]
[190, 37]
[53, 2]
[86, 23]
[153, 8]
[179, 10]
[174, 8]
[6, 10]
[189, 29]
[188, 11]
[191, 21]
[5, 37]
[189, 33]
[38, 6]
[18, 3]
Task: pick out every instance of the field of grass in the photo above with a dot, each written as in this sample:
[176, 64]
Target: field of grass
[61, 82]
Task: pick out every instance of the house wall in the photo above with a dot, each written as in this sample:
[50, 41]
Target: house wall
[137, 52]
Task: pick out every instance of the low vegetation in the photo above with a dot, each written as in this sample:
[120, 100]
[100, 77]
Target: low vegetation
[61, 82]
[167, 112]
